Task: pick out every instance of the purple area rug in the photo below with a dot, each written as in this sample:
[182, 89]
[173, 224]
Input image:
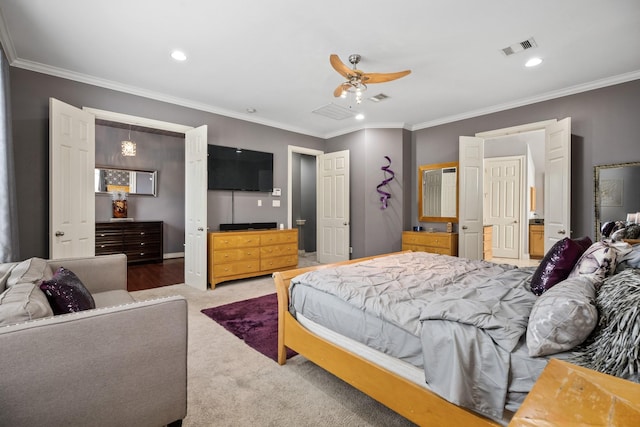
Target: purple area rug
[254, 321]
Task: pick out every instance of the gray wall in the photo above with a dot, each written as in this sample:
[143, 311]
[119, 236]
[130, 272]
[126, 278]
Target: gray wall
[604, 128]
[375, 230]
[163, 153]
[30, 92]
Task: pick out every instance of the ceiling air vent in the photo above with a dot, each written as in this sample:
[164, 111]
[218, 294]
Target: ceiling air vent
[334, 111]
[379, 97]
[519, 47]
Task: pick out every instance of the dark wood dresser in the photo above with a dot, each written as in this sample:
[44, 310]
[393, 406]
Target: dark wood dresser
[141, 241]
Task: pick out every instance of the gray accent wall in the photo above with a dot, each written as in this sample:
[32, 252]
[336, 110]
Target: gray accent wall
[605, 130]
[30, 93]
[154, 151]
[604, 126]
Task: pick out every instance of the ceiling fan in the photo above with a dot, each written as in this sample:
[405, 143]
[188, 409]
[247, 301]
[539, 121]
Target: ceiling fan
[358, 80]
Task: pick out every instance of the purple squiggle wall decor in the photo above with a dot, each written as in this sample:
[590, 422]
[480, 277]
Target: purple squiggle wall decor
[384, 198]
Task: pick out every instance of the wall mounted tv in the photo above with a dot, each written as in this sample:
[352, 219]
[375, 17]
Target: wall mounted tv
[238, 169]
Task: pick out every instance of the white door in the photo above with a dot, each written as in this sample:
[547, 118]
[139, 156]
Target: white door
[333, 207]
[470, 219]
[502, 187]
[557, 183]
[195, 199]
[72, 159]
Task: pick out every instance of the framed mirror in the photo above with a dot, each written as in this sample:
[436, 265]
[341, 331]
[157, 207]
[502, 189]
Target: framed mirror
[134, 182]
[438, 192]
[616, 193]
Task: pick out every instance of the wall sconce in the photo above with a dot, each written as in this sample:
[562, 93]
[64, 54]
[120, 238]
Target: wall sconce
[128, 148]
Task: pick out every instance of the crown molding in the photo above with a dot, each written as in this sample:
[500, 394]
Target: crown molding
[572, 90]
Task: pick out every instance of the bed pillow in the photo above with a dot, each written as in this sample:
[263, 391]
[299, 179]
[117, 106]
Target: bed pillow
[630, 259]
[66, 293]
[556, 265]
[563, 317]
[597, 262]
[613, 346]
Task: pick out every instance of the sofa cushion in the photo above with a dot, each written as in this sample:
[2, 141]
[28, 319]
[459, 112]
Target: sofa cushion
[22, 302]
[5, 271]
[32, 270]
[66, 293]
[112, 298]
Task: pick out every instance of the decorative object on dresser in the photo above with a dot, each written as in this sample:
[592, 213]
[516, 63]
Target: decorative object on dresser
[241, 254]
[435, 242]
[141, 241]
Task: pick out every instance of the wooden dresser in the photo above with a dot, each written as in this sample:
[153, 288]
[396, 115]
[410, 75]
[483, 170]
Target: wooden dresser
[435, 242]
[241, 254]
[141, 241]
[536, 241]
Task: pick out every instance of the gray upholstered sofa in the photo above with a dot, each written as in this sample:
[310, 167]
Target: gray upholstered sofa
[123, 363]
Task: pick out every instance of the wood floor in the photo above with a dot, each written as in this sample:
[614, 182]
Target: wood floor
[147, 276]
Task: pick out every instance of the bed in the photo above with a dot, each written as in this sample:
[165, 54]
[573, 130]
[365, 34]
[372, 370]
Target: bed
[379, 365]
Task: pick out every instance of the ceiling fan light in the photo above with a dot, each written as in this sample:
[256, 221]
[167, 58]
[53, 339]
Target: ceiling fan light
[359, 116]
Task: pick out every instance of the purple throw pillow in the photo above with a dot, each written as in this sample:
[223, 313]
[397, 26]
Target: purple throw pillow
[556, 265]
[66, 293]
[585, 242]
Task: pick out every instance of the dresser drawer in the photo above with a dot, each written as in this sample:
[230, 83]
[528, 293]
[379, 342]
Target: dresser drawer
[140, 241]
[233, 255]
[429, 239]
[234, 268]
[278, 262]
[278, 250]
[279, 238]
[235, 241]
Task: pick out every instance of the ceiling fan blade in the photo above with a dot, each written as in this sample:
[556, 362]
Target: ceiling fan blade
[339, 66]
[342, 88]
[383, 77]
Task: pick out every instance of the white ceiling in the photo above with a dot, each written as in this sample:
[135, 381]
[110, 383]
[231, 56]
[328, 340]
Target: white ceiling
[274, 55]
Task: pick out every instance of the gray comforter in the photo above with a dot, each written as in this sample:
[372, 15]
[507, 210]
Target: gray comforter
[469, 316]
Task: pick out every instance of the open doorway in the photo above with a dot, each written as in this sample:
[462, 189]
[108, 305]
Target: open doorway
[302, 173]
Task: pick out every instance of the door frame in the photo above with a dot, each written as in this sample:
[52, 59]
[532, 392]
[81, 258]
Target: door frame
[291, 149]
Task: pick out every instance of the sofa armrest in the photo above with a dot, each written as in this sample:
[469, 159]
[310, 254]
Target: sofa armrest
[124, 365]
[98, 273]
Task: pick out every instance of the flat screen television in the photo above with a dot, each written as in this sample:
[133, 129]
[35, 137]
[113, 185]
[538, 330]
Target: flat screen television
[238, 169]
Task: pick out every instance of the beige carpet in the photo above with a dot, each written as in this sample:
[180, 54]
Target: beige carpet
[230, 384]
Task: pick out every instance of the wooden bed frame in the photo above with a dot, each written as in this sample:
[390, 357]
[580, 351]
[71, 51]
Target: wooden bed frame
[410, 400]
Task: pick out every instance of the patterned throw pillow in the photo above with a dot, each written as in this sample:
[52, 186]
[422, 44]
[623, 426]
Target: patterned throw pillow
[556, 265]
[66, 293]
[563, 317]
[597, 262]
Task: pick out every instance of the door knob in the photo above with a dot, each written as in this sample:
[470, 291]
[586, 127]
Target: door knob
[345, 223]
[59, 233]
[200, 229]
[562, 232]
[464, 227]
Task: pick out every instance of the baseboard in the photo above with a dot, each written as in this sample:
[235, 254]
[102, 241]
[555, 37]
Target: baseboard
[173, 255]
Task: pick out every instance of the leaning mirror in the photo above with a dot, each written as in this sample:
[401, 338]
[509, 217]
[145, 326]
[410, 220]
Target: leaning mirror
[438, 192]
[130, 181]
[616, 193]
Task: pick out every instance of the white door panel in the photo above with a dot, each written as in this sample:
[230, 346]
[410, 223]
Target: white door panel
[557, 194]
[502, 184]
[470, 220]
[333, 207]
[71, 183]
[195, 250]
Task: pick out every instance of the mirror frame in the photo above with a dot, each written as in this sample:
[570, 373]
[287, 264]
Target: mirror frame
[154, 173]
[596, 191]
[421, 170]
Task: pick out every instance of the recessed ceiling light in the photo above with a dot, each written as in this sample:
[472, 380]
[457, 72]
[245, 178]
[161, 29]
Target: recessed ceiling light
[359, 116]
[178, 55]
[533, 62]
[251, 110]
